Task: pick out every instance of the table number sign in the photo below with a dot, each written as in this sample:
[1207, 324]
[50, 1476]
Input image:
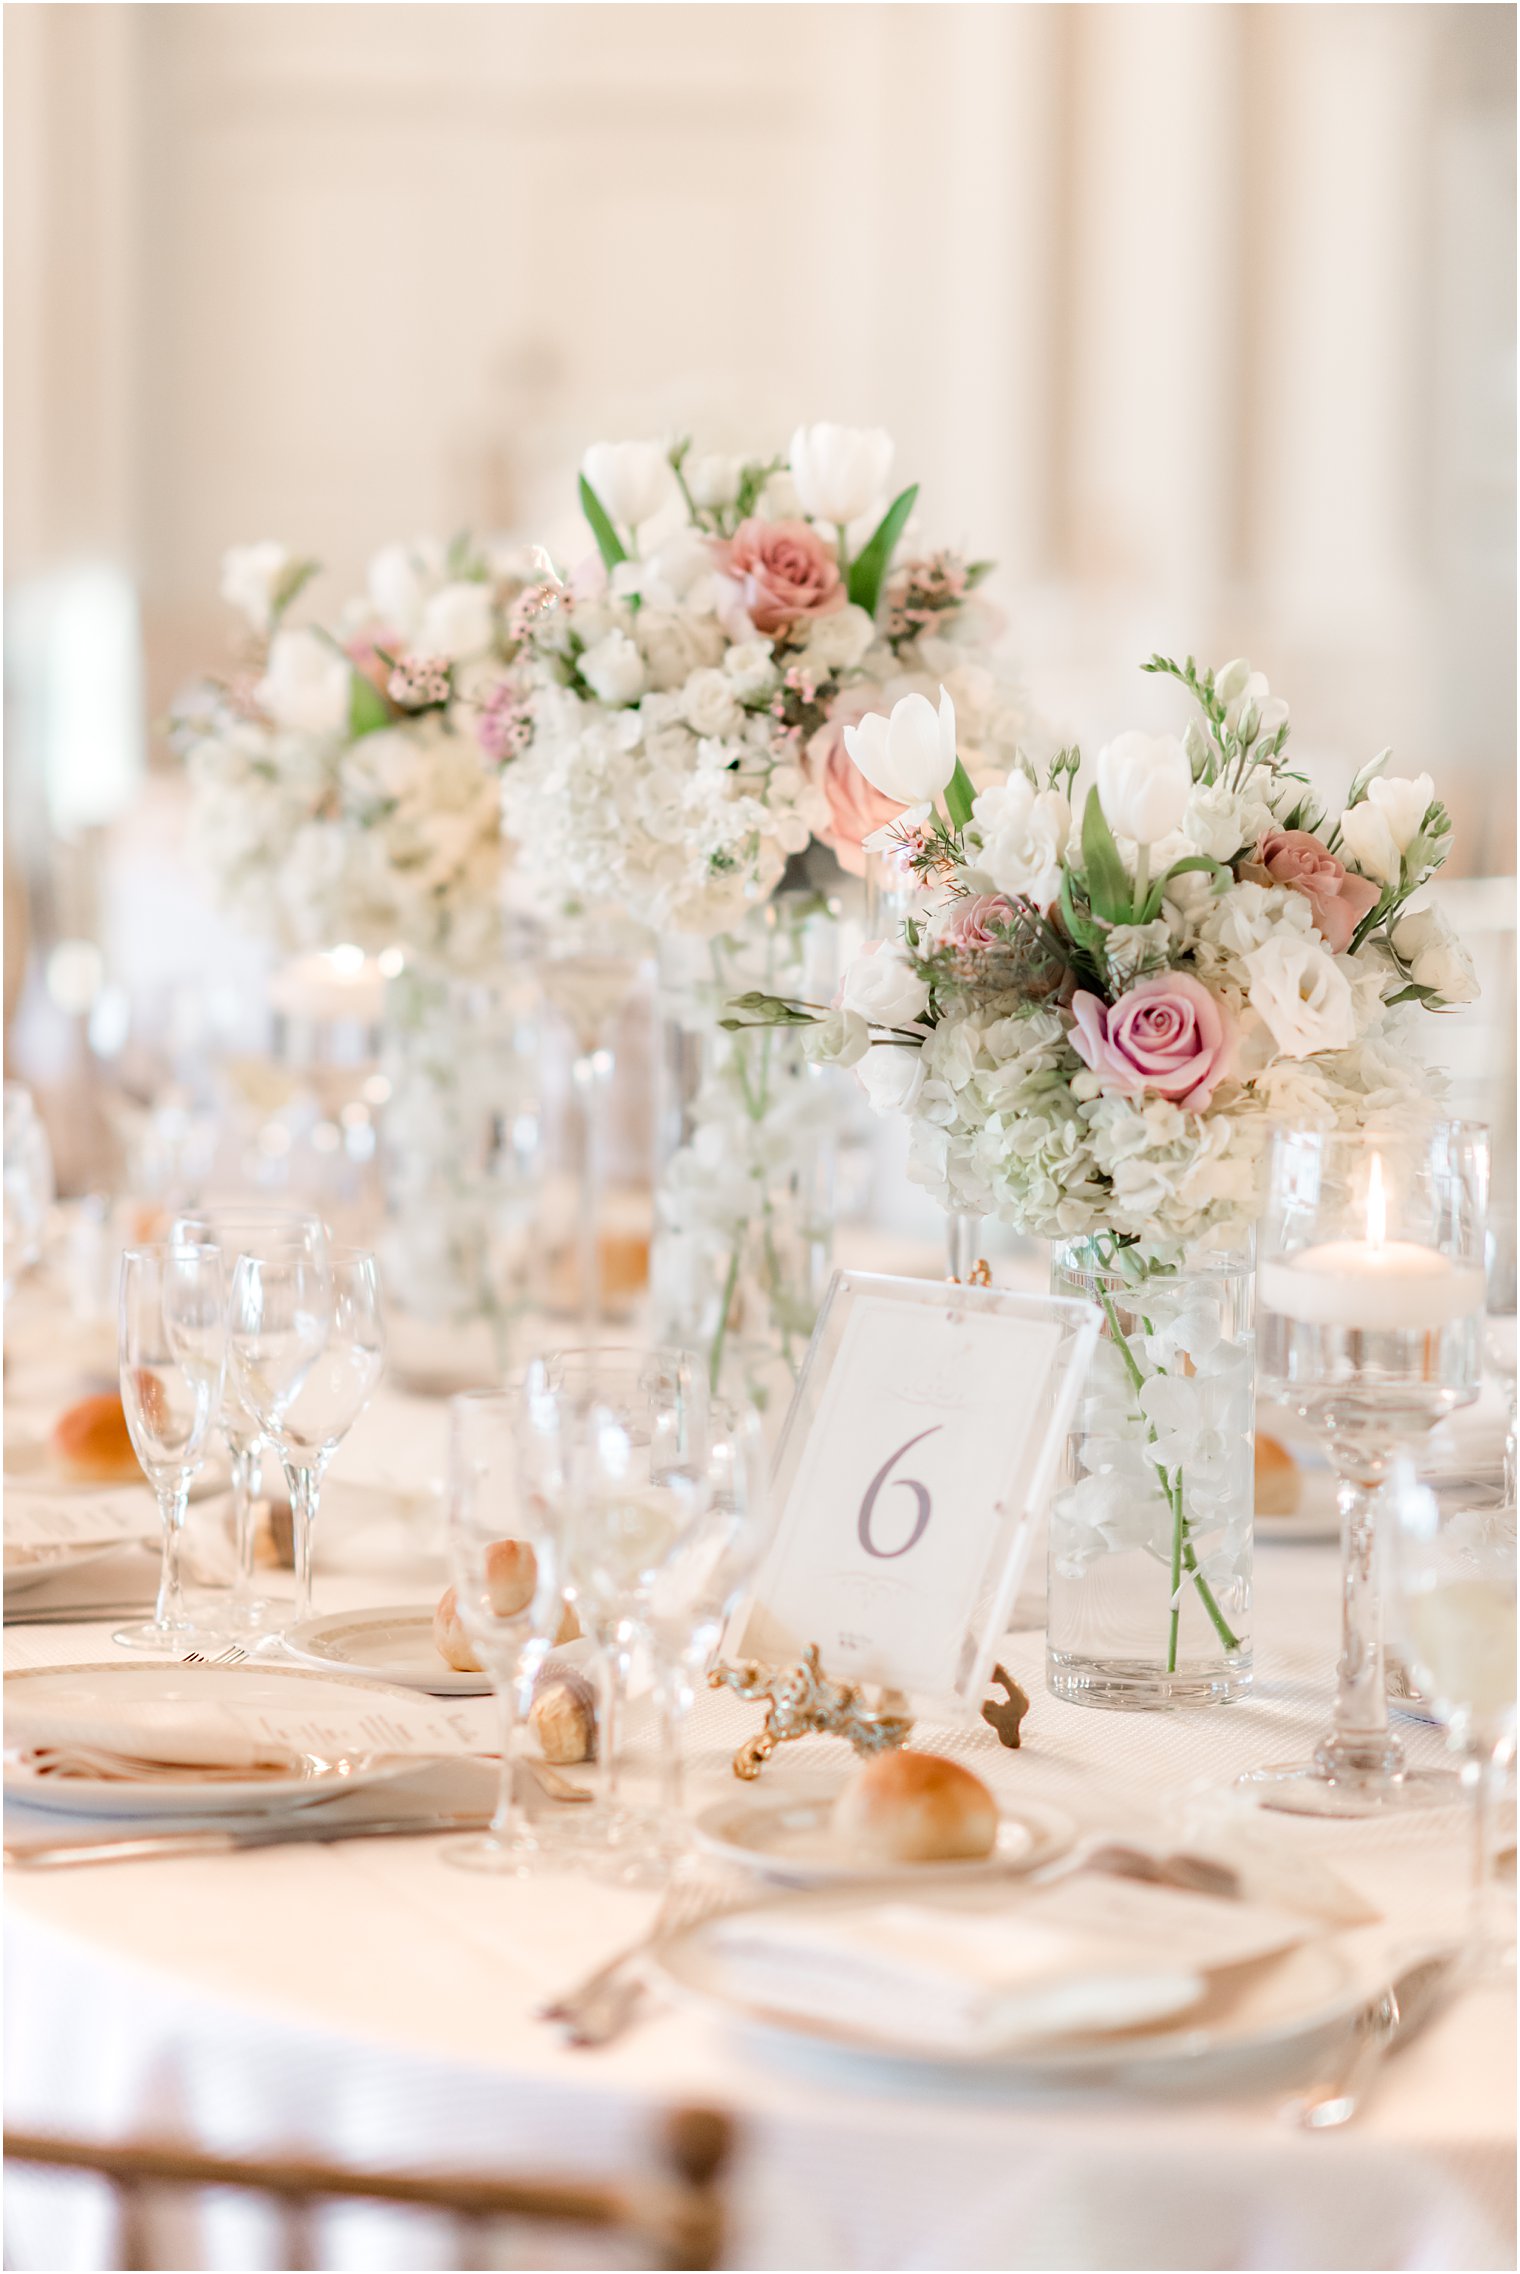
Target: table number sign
[921, 1445]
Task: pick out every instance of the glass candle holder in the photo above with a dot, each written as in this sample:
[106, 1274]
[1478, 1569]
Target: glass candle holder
[1370, 1309]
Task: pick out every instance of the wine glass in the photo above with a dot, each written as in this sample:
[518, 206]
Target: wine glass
[1451, 1575]
[590, 968]
[1371, 1302]
[505, 1560]
[262, 1229]
[28, 1186]
[306, 1341]
[1499, 1328]
[173, 1335]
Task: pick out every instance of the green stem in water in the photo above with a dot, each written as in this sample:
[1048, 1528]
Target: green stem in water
[715, 1355]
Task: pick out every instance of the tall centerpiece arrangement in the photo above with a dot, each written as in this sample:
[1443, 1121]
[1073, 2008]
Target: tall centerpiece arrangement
[344, 782]
[1092, 1030]
[682, 701]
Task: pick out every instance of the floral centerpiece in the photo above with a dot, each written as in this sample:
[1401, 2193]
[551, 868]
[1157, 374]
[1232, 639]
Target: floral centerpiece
[680, 705]
[1091, 1031]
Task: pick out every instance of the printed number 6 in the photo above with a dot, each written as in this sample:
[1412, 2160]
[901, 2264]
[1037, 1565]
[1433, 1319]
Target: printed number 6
[920, 1493]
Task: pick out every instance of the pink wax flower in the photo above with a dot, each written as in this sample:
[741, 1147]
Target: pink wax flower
[983, 920]
[1296, 858]
[1168, 1034]
[783, 571]
[856, 808]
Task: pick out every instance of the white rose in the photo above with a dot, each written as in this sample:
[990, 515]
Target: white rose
[1403, 805]
[252, 579]
[1218, 821]
[708, 703]
[1302, 994]
[1368, 844]
[839, 641]
[1435, 957]
[1024, 833]
[307, 684]
[713, 480]
[632, 480]
[909, 756]
[751, 670]
[400, 579]
[841, 1039]
[456, 622]
[1144, 782]
[614, 669]
[882, 986]
[840, 471]
[891, 1074]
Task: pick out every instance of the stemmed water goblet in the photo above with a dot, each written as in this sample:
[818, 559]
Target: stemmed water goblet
[504, 1550]
[306, 1343]
[1370, 1299]
[1499, 1328]
[173, 1331]
[590, 969]
[247, 1228]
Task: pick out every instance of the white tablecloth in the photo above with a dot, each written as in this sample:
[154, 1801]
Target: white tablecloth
[367, 2003]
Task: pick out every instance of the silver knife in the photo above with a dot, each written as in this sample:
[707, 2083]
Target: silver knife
[52, 1855]
[78, 1615]
[1377, 2029]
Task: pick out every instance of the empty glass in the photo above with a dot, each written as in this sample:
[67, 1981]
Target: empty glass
[306, 1343]
[247, 1228]
[504, 1560]
[173, 1344]
[28, 1185]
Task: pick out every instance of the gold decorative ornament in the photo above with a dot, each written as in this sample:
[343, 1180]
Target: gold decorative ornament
[1004, 1714]
[803, 1701]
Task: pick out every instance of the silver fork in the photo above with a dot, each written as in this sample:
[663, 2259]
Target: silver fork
[602, 2005]
[233, 1655]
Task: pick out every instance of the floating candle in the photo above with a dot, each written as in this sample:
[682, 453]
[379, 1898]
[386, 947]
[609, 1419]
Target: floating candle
[1390, 1286]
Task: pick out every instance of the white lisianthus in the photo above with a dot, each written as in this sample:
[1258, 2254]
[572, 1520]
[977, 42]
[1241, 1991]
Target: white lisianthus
[1403, 803]
[632, 480]
[1144, 782]
[713, 480]
[891, 1074]
[708, 703]
[255, 579]
[840, 1039]
[910, 755]
[750, 669]
[838, 642]
[1219, 822]
[1302, 995]
[1368, 844]
[614, 669]
[1024, 833]
[1426, 944]
[882, 986]
[456, 622]
[307, 684]
[840, 472]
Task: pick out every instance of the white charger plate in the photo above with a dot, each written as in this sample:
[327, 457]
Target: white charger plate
[1246, 2010]
[392, 1645]
[109, 1690]
[787, 1834]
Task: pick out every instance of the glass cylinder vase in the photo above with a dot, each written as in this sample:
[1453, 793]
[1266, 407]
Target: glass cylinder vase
[1149, 1581]
[746, 1134]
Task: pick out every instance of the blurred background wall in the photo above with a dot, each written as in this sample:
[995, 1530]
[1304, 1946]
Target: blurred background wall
[1200, 318]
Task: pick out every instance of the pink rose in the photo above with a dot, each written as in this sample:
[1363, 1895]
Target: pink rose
[1168, 1034]
[982, 921]
[783, 570]
[1297, 859]
[856, 808]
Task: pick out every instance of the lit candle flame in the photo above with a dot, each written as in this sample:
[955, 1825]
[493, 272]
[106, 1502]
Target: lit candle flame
[1377, 1204]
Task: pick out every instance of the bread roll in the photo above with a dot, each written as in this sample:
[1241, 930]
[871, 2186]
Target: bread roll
[449, 1638]
[1279, 1487]
[564, 1715]
[915, 1808]
[90, 1442]
[511, 1578]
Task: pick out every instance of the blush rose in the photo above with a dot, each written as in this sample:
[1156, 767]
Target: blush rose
[1167, 1034]
[1296, 858]
[784, 571]
[856, 807]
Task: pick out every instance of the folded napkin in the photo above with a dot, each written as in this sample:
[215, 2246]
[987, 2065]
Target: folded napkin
[1082, 1958]
[180, 1735]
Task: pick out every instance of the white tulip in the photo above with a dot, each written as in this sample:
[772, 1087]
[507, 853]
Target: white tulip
[1403, 805]
[307, 684]
[614, 669]
[909, 756]
[1302, 994]
[633, 480]
[881, 985]
[456, 622]
[713, 481]
[400, 579]
[252, 576]
[840, 471]
[1368, 844]
[1426, 943]
[1144, 783]
[891, 1074]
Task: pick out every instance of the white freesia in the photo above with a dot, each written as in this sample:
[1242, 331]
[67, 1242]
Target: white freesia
[842, 1038]
[713, 480]
[910, 755]
[614, 669]
[252, 580]
[1144, 782]
[1302, 995]
[1368, 845]
[1403, 803]
[457, 622]
[632, 480]
[307, 683]
[892, 1075]
[840, 472]
[881, 985]
[1024, 832]
[1231, 682]
[1426, 944]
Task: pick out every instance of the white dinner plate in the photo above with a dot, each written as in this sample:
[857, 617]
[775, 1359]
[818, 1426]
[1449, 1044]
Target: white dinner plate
[112, 1690]
[394, 1645]
[29, 1461]
[1246, 2009]
[787, 1835]
[26, 1568]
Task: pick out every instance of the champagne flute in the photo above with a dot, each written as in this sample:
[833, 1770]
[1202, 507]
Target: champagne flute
[306, 1340]
[247, 1228]
[1451, 1577]
[173, 1327]
[504, 1557]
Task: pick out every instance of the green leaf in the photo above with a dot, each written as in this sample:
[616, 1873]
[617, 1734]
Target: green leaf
[368, 710]
[870, 569]
[1194, 862]
[959, 796]
[1108, 880]
[608, 543]
[1080, 926]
